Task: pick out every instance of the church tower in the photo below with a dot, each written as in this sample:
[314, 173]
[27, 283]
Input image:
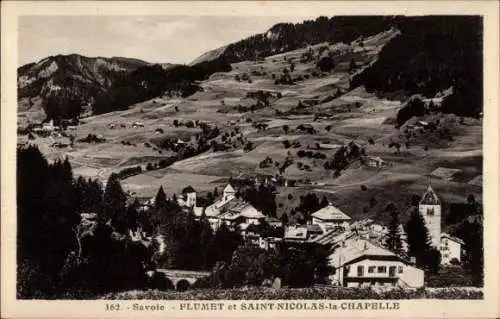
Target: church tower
[430, 208]
[229, 192]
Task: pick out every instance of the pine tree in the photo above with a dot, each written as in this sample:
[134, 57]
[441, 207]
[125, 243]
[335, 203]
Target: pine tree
[393, 240]
[324, 201]
[114, 202]
[418, 237]
[284, 219]
[160, 199]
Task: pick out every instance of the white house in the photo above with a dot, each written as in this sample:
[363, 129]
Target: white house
[358, 263]
[330, 217]
[450, 248]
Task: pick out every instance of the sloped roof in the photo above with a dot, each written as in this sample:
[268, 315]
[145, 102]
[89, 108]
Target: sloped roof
[330, 212]
[430, 197]
[455, 239]
[230, 215]
[354, 248]
[229, 189]
[314, 228]
[295, 233]
[251, 212]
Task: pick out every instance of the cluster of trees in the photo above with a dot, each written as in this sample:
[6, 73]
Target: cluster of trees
[129, 171]
[57, 252]
[431, 55]
[92, 138]
[288, 144]
[253, 266]
[311, 154]
[343, 157]
[73, 235]
[189, 242]
[308, 204]
[263, 198]
[414, 107]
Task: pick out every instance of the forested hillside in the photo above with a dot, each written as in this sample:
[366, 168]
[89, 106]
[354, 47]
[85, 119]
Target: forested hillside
[152, 81]
[65, 83]
[429, 56]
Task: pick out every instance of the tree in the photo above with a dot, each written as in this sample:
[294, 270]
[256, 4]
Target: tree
[419, 240]
[324, 201]
[114, 201]
[286, 129]
[393, 240]
[326, 64]
[160, 199]
[352, 65]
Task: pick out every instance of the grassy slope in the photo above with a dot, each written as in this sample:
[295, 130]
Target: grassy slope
[407, 174]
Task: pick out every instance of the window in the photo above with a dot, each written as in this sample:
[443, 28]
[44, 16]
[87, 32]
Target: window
[361, 270]
[400, 269]
[392, 271]
[381, 269]
[371, 269]
[430, 212]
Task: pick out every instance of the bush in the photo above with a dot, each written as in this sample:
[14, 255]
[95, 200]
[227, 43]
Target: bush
[310, 293]
[326, 64]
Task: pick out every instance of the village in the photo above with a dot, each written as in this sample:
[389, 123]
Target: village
[358, 253]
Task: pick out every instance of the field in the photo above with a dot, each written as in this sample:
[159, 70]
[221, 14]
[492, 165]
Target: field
[318, 100]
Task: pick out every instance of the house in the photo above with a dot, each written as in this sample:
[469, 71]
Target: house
[232, 210]
[451, 249]
[273, 221]
[430, 209]
[269, 243]
[137, 124]
[373, 161]
[295, 234]
[188, 198]
[357, 262]
[314, 230]
[330, 217]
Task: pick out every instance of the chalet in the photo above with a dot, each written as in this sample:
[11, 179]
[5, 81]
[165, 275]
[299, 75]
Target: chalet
[358, 263]
[373, 161]
[451, 249]
[137, 124]
[330, 217]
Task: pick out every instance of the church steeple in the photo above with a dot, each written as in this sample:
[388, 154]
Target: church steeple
[430, 209]
[430, 197]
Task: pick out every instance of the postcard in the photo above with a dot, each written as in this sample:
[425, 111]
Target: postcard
[241, 159]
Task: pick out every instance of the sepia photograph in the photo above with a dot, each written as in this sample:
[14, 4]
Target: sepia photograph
[276, 157]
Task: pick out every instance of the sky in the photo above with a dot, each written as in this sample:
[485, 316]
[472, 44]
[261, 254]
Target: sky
[156, 39]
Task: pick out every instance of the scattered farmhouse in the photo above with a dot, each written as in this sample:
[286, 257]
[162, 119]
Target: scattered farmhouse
[373, 161]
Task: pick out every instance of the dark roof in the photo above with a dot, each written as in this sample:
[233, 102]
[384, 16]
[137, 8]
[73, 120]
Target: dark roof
[429, 197]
